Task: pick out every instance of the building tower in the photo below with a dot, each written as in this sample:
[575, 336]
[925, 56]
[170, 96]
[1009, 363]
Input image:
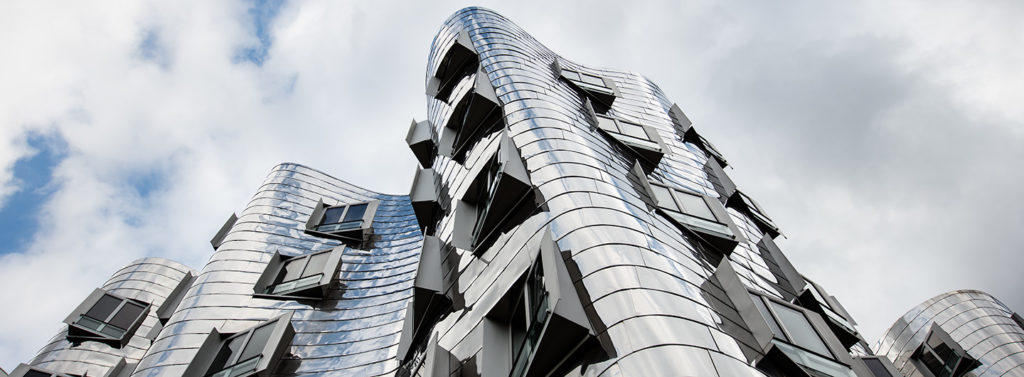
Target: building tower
[564, 220]
[959, 333]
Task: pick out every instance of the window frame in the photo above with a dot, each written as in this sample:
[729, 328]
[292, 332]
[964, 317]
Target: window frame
[747, 204]
[475, 112]
[604, 94]
[315, 291]
[787, 336]
[964, 362]
[281, 334]
[723, 242]
[459, 59]
[357, 235]
[77, 333]
[650, 150]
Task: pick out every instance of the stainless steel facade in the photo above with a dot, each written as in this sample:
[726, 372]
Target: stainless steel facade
[978, 323]
[566, 220]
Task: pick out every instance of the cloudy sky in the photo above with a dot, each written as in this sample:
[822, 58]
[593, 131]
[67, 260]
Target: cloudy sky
[884, 138]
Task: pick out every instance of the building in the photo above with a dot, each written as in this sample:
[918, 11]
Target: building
[565, 220]
[959, 333]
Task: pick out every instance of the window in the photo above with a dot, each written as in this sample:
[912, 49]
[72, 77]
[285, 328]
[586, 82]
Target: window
[493, 199]
[424, 199]
[475, 113]
[879, 366]
[459, 60]
[428, 305]
[344, 222]
[813, 298]
[941, 356]
[724, 185]
[700, 214]
[601, 89]
[796, 337]
[741, 201]
[107, 318]
[25, 370]
[253, 352]
[642, 140]
[421, 141]
[539, 326]
[299, 277]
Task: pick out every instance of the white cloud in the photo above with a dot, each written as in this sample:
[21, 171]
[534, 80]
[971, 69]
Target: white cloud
[876, 135]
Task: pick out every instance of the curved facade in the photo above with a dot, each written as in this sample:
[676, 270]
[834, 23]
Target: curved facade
[978, 323]
[149, 279]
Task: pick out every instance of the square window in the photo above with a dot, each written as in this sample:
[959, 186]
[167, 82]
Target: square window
[350, 223]
[253, 352]
[700, 214]
[302, 277]
[107, 318]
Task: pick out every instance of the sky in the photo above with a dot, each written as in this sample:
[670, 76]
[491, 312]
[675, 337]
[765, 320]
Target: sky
[884, 138]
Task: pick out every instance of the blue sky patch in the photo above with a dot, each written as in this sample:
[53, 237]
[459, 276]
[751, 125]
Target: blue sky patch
[34, 176]
[261, 14]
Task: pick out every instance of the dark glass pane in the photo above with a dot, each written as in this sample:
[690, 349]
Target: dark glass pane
[291, 270]
[876, 367]
[259, 340]
[36, 373]
[759, 304]
[332, 215]
[316, 264]
[103, 307]
[800, 329]
[355, 212]
[127, 315]
[518, 326]
[226, 353]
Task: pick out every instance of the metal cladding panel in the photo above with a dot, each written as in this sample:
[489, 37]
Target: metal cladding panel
[148, 279]
[978, 322]
[644, 279]
[354, 331]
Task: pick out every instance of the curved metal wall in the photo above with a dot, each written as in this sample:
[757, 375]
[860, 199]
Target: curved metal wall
[148, 279]
[977, 321]
[354, 332]
[647, 282]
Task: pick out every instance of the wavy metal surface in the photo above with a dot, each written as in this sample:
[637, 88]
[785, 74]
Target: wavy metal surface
[647, 281]
[976, 320]
[148, 279]
[354, 332]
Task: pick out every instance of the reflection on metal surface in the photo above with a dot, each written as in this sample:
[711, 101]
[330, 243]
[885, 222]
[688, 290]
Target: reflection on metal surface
[975, 322]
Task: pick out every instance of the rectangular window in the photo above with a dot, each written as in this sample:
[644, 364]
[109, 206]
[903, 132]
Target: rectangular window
[299, 277]
[693, 210]
[796, 337]
[107, 318]
[345, 222]
[594, 86]
[941, 356]
[254, 351]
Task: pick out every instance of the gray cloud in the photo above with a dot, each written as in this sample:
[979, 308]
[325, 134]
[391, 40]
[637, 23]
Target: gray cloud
[881, 137]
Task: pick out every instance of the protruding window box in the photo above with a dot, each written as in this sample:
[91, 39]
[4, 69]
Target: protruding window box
[428, 303]
[539, 326]
[476, 113]
[421, 141]
[25, 370]
[879, 366]
[302, 277]
[812, 297]
[424, 199]
[642, 140]
[170, 304]
[684, 127]
[941, 356]
[106, 318]
[253, 352]
[744, 203]
[350, 223]
[601, 89]
[218, 238]
[798, 347]
[493, 197]
[702, 215]
[724, 185]
[459, 60]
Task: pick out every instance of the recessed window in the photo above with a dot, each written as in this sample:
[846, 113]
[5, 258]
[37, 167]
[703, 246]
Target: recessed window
[458, 61]
[252, 352]
[747, 204]
[601, 89]
[299, 277]
[107, 318]
[346, 222]
[493, 199]
[797, 338]
[476, 112]
[25, 370]
[943, 357]
[642, 140]
[700, 214]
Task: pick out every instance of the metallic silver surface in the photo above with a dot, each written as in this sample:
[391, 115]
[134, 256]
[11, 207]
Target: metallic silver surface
[147, 279]
[978, 322]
